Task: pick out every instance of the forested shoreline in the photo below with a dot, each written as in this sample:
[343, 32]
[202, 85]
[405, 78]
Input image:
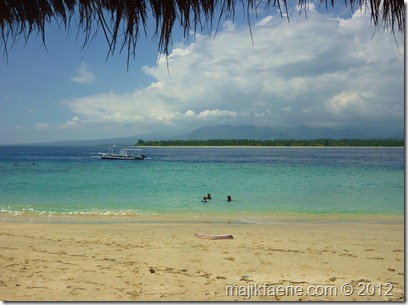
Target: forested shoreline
[279, 142]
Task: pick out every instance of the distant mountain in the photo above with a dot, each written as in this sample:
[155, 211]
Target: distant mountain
[119, 141]
[300, 132]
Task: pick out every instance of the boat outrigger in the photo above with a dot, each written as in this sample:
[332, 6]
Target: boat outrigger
[124, 154]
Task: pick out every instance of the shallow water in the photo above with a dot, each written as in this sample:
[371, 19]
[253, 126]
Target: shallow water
[71, 181]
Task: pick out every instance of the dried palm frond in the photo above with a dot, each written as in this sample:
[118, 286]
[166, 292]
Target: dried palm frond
[123, 21]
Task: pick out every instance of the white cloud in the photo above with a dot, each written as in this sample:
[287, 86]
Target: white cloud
[310, 71]
[29, 110]
[348, 102]
[359, 105]
[41, 125]
[83, 75]
[209, 114]
[124, 108]
[228, 26]
[75, 122]
[264, 21]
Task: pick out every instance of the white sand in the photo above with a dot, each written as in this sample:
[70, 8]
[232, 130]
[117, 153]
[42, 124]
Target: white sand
[165, 262]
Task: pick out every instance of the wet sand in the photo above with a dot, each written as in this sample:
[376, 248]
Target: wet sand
[165, 262]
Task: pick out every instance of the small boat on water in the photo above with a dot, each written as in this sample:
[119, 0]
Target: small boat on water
[124, 154]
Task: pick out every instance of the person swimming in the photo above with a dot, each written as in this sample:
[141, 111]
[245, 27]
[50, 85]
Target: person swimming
[204, 199]
[208, 196]
[229, 198]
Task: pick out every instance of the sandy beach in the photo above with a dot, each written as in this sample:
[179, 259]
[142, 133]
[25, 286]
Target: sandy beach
[165, 262]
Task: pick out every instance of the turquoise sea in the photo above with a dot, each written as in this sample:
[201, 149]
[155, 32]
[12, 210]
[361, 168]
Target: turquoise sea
[59, 183]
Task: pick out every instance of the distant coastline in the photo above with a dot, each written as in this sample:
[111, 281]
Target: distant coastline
[274, 143]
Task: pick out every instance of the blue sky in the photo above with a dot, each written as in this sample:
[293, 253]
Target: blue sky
[331, 69]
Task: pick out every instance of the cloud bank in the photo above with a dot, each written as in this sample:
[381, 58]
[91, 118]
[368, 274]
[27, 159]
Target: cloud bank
[317, 71]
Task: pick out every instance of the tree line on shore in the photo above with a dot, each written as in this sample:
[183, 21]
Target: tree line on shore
[278, 142]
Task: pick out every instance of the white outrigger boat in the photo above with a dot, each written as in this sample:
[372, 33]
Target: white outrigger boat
[124, 154]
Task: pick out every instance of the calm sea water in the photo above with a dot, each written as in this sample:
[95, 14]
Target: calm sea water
[53, 181]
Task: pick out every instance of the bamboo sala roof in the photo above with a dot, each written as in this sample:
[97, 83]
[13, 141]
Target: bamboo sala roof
[123, 21]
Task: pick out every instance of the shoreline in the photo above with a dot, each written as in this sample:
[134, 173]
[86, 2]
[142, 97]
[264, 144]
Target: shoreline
[276, 218]
[260, 146]
[165, 262]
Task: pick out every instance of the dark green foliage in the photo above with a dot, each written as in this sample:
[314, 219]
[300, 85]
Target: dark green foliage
[285, 142]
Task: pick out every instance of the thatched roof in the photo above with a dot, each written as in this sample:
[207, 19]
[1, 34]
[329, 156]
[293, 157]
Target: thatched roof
[123, 21]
